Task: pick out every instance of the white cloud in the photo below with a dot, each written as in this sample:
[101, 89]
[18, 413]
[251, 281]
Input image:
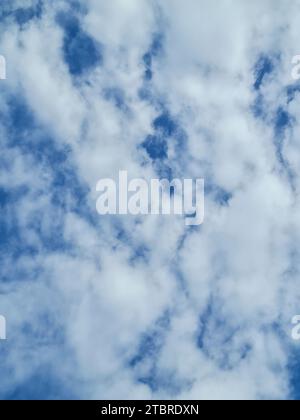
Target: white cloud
[229, 282]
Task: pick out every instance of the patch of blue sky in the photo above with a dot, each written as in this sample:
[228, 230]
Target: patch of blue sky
[43, 385]
[24, 15]
[292, 91]
[21, 15]
[8, 223]
[146, 94]
[165, 124]
[264, 67]
[165, 381]
[14, 271]
[63, 190]
[154, 52]
[152, 341]
[45, 330]
[282, 123]
[139, 251]
[218, 194]
[213, 327]
[281, 120]
[164, 170]
[203, 320]
[149, 349]
[81, 52]
[46, 381]
[78, 6]
[294, 371]
[16, 240]
[30, 138]
[11, 195]
[42, 334]
[293, 272]
[259, 107]
[167, 133]
[156, 146]
[117, 97]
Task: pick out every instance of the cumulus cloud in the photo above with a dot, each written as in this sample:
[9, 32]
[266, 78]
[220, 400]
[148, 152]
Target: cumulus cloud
[125, 307]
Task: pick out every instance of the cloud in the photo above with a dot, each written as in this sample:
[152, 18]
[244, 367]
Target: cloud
[124, 307]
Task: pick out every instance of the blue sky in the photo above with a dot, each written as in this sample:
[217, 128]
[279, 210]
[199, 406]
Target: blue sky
[127, 307]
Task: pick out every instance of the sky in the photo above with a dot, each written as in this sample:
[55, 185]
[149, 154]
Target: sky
[130, 307]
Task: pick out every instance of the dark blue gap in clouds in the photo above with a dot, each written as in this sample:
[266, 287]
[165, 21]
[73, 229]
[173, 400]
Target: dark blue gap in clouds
[156, 146]
[168, 134]
[152, 341]
[148, 351]
[263, 68]
[294, 370]
[213, 329]
[29, 138]
[24, 15]
[165, 124]
[43, 385]
[154, 51]
[21, 15]
[81, 52]
[9, 234]
[139, 251]
[13, 243]
[28, 377]
[292, 91]
[259, 108]
[24, 375]
[62, 189]
[16, 241]
[117, 97]
[166, 130]
[218, 194]
[282, 122]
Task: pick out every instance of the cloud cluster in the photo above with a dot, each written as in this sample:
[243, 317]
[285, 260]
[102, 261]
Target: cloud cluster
[125, 307]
